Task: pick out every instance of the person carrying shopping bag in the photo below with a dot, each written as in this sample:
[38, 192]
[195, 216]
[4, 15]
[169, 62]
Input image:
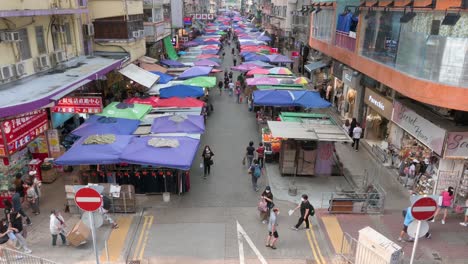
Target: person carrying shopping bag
[255, 171]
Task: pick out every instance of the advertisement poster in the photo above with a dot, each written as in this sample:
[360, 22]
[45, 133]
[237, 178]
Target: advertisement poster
[91, 105]
[457, 145]
[39, 145]
[53, 142]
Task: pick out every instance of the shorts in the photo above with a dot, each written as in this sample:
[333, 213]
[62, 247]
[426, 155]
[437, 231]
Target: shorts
[444, 206]
[405, 228]
[275, 234]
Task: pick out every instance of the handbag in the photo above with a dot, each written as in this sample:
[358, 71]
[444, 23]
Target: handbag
[210, 162]
[262, 206]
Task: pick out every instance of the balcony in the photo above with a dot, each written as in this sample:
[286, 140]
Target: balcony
[345, 40]
[156, 31]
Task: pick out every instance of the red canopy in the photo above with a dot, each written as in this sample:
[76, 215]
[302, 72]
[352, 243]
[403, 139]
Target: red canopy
[152, 100]
[258, 71]
[179, 102]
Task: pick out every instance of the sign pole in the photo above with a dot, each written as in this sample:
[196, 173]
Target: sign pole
[415, 241]
[93, 234]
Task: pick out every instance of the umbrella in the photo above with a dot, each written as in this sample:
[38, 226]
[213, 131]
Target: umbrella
[194, 124]
[207, 56]
[217, 60]
[194, 72]
[300, 80]
[151, 100]
[124, 110]
[278, 58]
[280, 70]
[206, 62]
[264, 38]
[310, 99]
[203, 81]
[172, 63]
[262, 81]
[191, 44]
[163, 78]
[182, 91]
[258, 71]
[179, 102]
[245, 67]
[261, 64]
[258, 57]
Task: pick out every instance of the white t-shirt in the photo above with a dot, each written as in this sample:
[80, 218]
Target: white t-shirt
[231, 86]
[357, 131]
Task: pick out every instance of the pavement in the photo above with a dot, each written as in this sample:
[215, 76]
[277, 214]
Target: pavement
[217, 219]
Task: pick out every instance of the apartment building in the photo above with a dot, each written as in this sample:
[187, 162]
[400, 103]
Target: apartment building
[401, 69]
[157, 24]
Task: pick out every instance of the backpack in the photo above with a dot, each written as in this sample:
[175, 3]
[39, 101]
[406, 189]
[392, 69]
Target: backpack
[106, 203]
[311, 210]
[257, 171]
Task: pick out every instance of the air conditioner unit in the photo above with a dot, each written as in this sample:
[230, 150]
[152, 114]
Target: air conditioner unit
[59, 56]
[88, 30]
[10, 36]
[20, 69]
[6, 72]
[142, 33]
[43, 61]
[136, 34]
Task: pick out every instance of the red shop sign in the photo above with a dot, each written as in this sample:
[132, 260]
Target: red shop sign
[21, 130]
[91, 105]
[2, 145]
[274, 50]
[294, 54]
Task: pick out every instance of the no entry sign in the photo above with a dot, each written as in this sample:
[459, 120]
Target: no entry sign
[424, 208]
[88, 199]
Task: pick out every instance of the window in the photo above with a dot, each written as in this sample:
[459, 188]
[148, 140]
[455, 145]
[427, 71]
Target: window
[25, 50]
[322, 25]
[40, 40]
[68, 33]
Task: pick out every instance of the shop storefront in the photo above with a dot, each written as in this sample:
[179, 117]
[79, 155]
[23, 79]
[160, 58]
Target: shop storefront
[456, 151]
[378, 113]
[353, 94]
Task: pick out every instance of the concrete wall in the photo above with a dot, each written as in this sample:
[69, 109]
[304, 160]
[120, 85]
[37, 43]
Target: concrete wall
[36, 4]
[136, 49]
[113, 8]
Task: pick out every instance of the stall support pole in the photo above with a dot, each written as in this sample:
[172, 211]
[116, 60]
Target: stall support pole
[292, 186]
[93, 234]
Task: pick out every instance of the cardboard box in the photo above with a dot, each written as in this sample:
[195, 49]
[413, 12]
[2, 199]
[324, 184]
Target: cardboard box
[79, 234]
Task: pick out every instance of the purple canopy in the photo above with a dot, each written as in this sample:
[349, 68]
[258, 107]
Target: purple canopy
[264, 38]
[94, 154]
[172, 63]
[181, 157]
[262, 81]
[192, 124]
[278, 58]
[245, 67]
[191, 44]
[98, 125]
[195, 71]
[206, 62]
[212, 51]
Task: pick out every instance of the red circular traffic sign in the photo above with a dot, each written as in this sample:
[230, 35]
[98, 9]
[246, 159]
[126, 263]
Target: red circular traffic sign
[88, 199]
[424, 208]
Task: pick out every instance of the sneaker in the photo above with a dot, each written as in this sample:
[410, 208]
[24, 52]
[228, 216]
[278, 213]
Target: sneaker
[264, 222]
[463, 224]
[411, 240]
[356, 150]
[294, 228]
[272, 247]
[28, 251]
[443, 222]
[306, 228]
[115, 226]
[400, 239]
[433, 220]
[267, 245]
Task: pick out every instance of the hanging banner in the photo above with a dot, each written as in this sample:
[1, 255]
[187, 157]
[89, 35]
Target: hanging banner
[210, 16]
[188, 21]
[457, 145]
[204, 16]
[54, 142]
[2, 145]
[91, 105]
[419, 127]
[198, 16]
[21, 130]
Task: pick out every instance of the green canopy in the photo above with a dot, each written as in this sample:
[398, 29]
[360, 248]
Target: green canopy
[124, 110]
[171, 52]
[202, 81]
[221, 32]
[281, 87]
[315, 118]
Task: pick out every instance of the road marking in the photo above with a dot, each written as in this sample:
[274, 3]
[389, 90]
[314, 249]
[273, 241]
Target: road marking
[241, 248]
[241, 233]
[142, 250]
[88, 199]
[316, 243]
[335, 233]
[313, 249]
[116, 240]
[140, 238]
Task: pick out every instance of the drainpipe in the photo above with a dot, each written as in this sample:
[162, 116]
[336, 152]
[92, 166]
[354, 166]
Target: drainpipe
[125, 9]
[80, 31]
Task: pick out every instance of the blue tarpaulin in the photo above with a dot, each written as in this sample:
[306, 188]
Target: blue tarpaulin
[195, 71]
[163, 78]
[306, 99]
[181, 91]
[99, 125]
[309, 99]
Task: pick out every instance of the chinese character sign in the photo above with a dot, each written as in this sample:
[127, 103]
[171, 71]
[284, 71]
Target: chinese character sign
[86, 105]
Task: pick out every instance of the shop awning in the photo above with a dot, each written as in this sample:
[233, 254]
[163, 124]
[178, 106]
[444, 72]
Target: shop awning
[314, 66]
[281, 87]
[308, 130]
[139, 75]
[37, 91]
[153, 67]
[146, 59]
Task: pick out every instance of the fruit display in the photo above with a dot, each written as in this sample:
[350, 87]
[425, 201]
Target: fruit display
[271, 142]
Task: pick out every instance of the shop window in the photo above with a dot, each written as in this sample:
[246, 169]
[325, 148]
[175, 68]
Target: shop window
[68, 33]
[25, 49]
[40, 39]
[322, 25]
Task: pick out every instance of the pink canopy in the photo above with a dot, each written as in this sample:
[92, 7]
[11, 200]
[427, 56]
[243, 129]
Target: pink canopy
[262, 81]
[258, 71]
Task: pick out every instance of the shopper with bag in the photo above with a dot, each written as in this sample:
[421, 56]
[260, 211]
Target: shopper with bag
[267, 201]
[445, 202]
[306, 210]
[207, 160]
[255, 173]
[57, 227]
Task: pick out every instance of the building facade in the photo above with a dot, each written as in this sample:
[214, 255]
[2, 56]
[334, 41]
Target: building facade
[157, 24]
[400, 68]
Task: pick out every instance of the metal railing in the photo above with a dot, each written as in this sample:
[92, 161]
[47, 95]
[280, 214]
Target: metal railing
[343, 40]
[8, 255]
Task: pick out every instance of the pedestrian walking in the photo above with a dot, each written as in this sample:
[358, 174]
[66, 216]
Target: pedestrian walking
[408, 219]
[465, 222]
[261, 154]
[233, 52]
[231, 88]
[16, 201]
[16, 224]
[104, 210]
[18, 182]
[32, 198]
[238, 94]
[8, 208]
[272, 229]
[352, 126]
[255, 173]
[346, 127]
[267, 198]
[220, 86]
[306, 210]
[5, 232]
[357, 132]
[445, 202]
[207, 156]
[230, 76]
[234, 61]
[57, 227]
[249, 154]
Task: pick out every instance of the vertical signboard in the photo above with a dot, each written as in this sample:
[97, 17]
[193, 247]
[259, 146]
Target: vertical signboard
[177, 16]
[53, 142]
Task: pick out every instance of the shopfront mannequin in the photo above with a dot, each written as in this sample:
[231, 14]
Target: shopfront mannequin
[351, 99]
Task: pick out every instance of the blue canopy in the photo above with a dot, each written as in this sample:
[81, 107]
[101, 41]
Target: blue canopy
[181, 91]
[94, 154]
[98, 125]
[258, 57]
[163, 78]
[309, 99]
[195, 71]
[180, 157]
[273, 98]
[193, 124]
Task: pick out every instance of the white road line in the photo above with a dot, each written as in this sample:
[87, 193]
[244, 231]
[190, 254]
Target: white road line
[88, 199]
[424, 209]
[242, 232]
[241, 248]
